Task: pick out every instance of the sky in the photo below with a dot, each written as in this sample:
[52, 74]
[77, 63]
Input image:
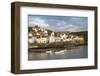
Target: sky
[59, 23]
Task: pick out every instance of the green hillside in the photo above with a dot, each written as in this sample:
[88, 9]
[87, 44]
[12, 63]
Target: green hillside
[84, 34]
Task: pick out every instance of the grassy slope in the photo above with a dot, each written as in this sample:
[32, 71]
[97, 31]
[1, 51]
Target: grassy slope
[83, 34]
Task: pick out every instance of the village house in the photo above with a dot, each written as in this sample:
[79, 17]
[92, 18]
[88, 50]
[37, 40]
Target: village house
[42, 40]
[58, 39]
[52, 37]
[40, 35]
[79, 39]
[63, 37]
[45, 33]
[69, 38]
[31, 39]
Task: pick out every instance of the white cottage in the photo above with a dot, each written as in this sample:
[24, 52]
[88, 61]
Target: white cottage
[42, 40]
[63, 37]
[79, 38]
[70, 38]
[45, 33]
[31, 39]
[52, 38]
[58, 39]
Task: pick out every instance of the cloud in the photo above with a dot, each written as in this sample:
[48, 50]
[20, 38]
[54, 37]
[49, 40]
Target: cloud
[77, 18]
[74, 28]
[65, 26]
[71, 27]
[38, 21]
[72, 24]
[61, 23]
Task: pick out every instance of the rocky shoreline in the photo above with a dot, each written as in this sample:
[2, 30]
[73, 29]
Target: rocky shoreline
[57, 45]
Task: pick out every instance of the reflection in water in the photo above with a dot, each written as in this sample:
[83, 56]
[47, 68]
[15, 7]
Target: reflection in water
[51, 54]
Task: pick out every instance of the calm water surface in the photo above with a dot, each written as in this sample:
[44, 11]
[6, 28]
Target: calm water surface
[52, 54]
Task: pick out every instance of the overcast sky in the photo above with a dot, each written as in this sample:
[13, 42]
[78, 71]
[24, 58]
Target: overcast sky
[59, 23]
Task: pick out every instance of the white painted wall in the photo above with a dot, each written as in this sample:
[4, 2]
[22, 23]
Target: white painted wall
[5, 33]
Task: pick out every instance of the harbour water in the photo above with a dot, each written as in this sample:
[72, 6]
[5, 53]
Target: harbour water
[58, 53]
